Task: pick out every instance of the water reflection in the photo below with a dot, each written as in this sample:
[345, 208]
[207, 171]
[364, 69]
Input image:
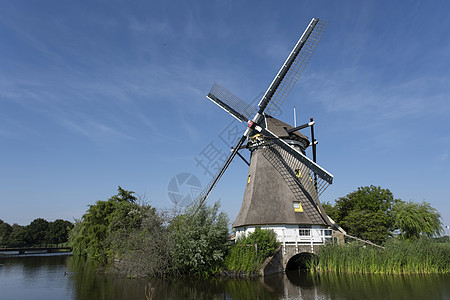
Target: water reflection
[385, 287]
[33, 277]
[89, 284]
[292, 285]
[67, 277]
[304, 285]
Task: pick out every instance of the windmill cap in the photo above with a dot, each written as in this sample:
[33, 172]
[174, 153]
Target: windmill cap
[281, 130]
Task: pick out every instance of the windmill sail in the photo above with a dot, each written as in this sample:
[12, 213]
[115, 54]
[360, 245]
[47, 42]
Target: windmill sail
[278, 161]
[231, 103]
[321, 172]
[297, 170]
[293, 67]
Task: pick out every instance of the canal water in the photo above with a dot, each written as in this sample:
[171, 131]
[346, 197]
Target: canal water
[67, 277]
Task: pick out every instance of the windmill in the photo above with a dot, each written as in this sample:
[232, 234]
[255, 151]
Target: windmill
[283, 184]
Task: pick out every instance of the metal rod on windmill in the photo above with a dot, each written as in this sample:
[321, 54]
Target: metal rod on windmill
[314, 143]
[295, 118]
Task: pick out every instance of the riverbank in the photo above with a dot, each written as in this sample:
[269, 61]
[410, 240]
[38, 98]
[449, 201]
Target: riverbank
[15, 254]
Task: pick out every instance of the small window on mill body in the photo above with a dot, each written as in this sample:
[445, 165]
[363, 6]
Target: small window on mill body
[297, 206]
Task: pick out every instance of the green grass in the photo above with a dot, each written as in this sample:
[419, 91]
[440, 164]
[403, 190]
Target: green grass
[422, 256]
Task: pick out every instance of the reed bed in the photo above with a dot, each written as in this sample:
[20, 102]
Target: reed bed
[422, 256]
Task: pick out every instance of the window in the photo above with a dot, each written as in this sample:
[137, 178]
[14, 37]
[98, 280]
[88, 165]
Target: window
[297, 206]
[328, 232]
[304, 230]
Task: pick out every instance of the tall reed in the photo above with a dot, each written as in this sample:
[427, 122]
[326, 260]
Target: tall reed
[423, 256]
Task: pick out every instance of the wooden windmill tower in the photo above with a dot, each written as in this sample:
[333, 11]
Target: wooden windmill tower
[283, 184]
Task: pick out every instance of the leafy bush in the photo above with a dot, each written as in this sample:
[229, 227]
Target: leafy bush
[244, 256]
[143, 249]
[200, 237]
[140, 242]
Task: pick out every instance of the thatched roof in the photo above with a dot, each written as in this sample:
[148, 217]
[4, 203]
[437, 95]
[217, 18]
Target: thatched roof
[268, 199]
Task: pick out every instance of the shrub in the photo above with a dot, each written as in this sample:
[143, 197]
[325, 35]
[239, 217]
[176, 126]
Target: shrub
[200, 237]
[244, 256]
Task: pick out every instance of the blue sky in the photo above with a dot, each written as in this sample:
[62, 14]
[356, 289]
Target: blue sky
[96, 94]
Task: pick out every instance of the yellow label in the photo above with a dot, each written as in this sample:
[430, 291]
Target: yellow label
[298, 207]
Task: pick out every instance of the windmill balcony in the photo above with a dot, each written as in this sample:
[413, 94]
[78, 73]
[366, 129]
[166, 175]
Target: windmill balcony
[294, 235]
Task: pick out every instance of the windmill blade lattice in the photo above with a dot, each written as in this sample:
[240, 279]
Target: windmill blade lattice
[315, 168]
[201, 198]
[304, 175]
[301, 186]
[231, 103]
[296, 68]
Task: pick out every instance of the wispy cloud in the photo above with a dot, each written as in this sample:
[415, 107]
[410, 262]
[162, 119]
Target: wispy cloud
[108, 130]
[351, 90]
[444, 156]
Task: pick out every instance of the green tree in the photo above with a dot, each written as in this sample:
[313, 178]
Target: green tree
[366, 213]
[17, 236]
[58, 231]
[124, 196]
[90, 235]
[414, 220]
[371, 226]
[330, 210]
[200, 238]
[5, 232]
[35, 232]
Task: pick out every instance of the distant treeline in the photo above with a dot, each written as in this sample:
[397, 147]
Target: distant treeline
[38, 232]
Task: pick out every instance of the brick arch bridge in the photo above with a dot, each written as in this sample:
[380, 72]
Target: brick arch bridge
[279, 262]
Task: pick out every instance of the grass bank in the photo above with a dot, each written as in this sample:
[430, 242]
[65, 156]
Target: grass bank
[423, 256]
